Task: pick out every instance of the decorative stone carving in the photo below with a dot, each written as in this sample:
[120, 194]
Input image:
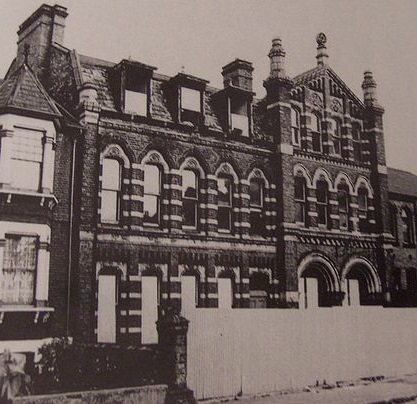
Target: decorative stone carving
[114, 151]
[191, 163]
[315, 99]
[154, 158]
[257, 173]
[336, 106]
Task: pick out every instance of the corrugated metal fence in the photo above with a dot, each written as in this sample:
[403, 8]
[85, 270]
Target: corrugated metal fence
[253, 350]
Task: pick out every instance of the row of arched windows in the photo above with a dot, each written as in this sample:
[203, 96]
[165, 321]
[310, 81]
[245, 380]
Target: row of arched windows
[190, 193]
[334, 129]
[351, 204]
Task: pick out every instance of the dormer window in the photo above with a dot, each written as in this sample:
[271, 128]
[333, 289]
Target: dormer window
[190, 99]
[136, 96]
[239, 117]
[132, 86]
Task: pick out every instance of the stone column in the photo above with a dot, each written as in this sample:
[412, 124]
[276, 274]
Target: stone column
[172, 332]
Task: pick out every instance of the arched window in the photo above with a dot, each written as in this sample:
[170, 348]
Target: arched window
[152, 195]
[111, 190]
[336, 132]
[343, 202]
[300, 199]
[322, 194]
[256, 191]
[363, 209]
[295, 126]
[393, 221]
[190, 199]
[316, 134]
[225, 204]
[356, 137]
[406, 226]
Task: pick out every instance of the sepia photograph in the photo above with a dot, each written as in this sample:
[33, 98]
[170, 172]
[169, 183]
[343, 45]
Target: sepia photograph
[208, 201]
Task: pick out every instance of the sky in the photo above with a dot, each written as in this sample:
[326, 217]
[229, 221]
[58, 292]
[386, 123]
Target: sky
[201, 36]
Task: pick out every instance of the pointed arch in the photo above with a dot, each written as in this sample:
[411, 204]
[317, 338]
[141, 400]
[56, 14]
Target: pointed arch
[322, 175]
[191, 163]
[258, 173]
[226, 168]
[341, 178]
[364, 182]
[154, 157]
[115, 151]
[299, 169]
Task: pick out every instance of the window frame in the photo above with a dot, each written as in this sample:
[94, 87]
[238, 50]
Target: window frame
[257, 208]
[316, 134]
[16, 156]
[363, 211]
[343, 188]
[407, 227]
[296, 126]
[301, 202]
[241, 104]
[157, 196]
[324, 205]
[194, 200]
[118, 191]
[34, 270]
[222, 205]
[336, 132]
[137, 83]
[357, 141]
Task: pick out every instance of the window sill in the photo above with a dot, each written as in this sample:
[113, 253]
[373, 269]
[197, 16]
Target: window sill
[51, 198]
[22, 308]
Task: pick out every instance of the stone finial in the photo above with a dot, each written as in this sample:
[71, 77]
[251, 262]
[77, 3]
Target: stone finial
[322, 56]
[277, 59]
[369, 89]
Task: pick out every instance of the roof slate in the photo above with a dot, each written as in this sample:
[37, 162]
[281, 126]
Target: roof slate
[24, 91]
[402, 182]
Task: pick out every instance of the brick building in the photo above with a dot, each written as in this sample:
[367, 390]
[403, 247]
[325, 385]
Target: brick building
[177, 193]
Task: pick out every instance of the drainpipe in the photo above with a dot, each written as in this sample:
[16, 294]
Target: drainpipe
[70, 246]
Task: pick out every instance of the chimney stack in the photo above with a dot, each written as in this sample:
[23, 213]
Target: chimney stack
[36, 34]
[277, 60]
[369, 89]
[322, 56]
[238, 74]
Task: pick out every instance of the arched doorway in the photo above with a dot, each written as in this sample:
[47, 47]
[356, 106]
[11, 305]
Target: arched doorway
[318, 284]
[362, 283]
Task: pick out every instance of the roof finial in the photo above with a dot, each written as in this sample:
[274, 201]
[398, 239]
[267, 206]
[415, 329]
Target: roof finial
[26, 52]
[182, 69]
[322, 55]
[277, 59]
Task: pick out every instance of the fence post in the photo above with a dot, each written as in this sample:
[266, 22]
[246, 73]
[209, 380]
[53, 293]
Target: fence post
[172, 332]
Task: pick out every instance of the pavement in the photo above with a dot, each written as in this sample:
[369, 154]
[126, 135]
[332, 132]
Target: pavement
[388, 390]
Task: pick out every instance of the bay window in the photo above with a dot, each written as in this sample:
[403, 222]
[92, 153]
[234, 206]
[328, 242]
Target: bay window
[26, 159]
[19, 270]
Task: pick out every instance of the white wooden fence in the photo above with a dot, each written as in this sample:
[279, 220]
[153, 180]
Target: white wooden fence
[250, 351]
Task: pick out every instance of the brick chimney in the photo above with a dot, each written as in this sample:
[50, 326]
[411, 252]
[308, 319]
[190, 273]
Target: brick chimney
[238, 74]
[44, 27]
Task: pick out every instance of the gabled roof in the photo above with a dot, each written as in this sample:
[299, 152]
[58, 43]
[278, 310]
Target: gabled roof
[402, 182]
[325, 71]
[23, 91]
